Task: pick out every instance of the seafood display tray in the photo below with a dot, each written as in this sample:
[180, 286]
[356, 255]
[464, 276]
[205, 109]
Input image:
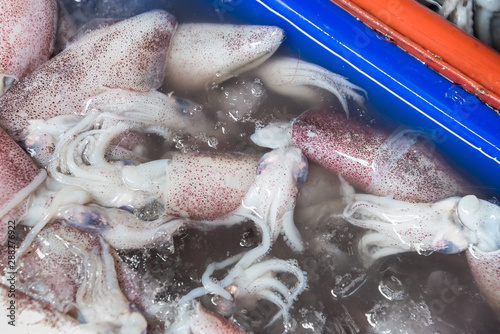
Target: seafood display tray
[397, 84]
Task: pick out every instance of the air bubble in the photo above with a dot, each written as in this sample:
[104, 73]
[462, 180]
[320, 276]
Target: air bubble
[212, 142]
[257, 91]
[150, 211]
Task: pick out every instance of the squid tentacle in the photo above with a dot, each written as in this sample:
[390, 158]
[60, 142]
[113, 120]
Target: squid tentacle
[402, 226]
[246, 276]
[272, 196]
[294, 78]
[67, 194]
[100, 289]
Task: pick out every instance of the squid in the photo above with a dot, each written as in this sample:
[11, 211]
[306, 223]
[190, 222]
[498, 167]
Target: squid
[80, 160]
[19, 178]
[252, 278]
[214, 189]
[203, 55]
[135, 55]
[485, 11]
[121, 229]
[451, 225]
[204, 187]
[383, 164]
[86, 281]
[195, 319]
[28, 36]
[111, 114]
[130, 55]
[206, 54]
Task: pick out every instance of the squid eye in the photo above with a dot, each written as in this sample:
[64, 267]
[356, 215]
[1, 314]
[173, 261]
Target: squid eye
[90, 220]
[467, 211]
[468, 205]
[300, 171]
[266, 161]
[450, 248]
[261, 165]
[301, 177]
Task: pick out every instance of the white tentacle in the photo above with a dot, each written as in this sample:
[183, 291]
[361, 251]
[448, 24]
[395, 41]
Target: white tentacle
[447, 226]
[295, 78]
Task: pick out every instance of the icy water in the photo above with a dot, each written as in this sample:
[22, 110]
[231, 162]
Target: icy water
[406, 293]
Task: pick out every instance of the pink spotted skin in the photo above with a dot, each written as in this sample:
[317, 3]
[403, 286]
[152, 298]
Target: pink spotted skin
[206, 322]
[485, 267]
[130, 55]
[367, 159]
[28, 31]
[204, 54]
[50, 254]
[36, 316]
[208, 186]
[19, 176]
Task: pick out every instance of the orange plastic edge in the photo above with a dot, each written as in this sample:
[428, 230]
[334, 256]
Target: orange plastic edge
[438, 43]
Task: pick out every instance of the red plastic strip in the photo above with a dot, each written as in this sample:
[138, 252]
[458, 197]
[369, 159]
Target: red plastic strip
[438, 43]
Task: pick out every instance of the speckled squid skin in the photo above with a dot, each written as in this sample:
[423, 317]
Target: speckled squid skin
[207, 186]
[206, 322]
[366, 159]
[50, 254]
[73, 270]
[205, 54]
[130, 55]
[485, 267]
[19, 176]
[28, 31]
[33, 316]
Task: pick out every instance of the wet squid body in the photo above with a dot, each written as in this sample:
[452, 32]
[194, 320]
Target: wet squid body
[98, 173]
[416, 202]
[451, 225]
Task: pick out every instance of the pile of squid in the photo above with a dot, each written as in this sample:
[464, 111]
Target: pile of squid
[102, 152]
